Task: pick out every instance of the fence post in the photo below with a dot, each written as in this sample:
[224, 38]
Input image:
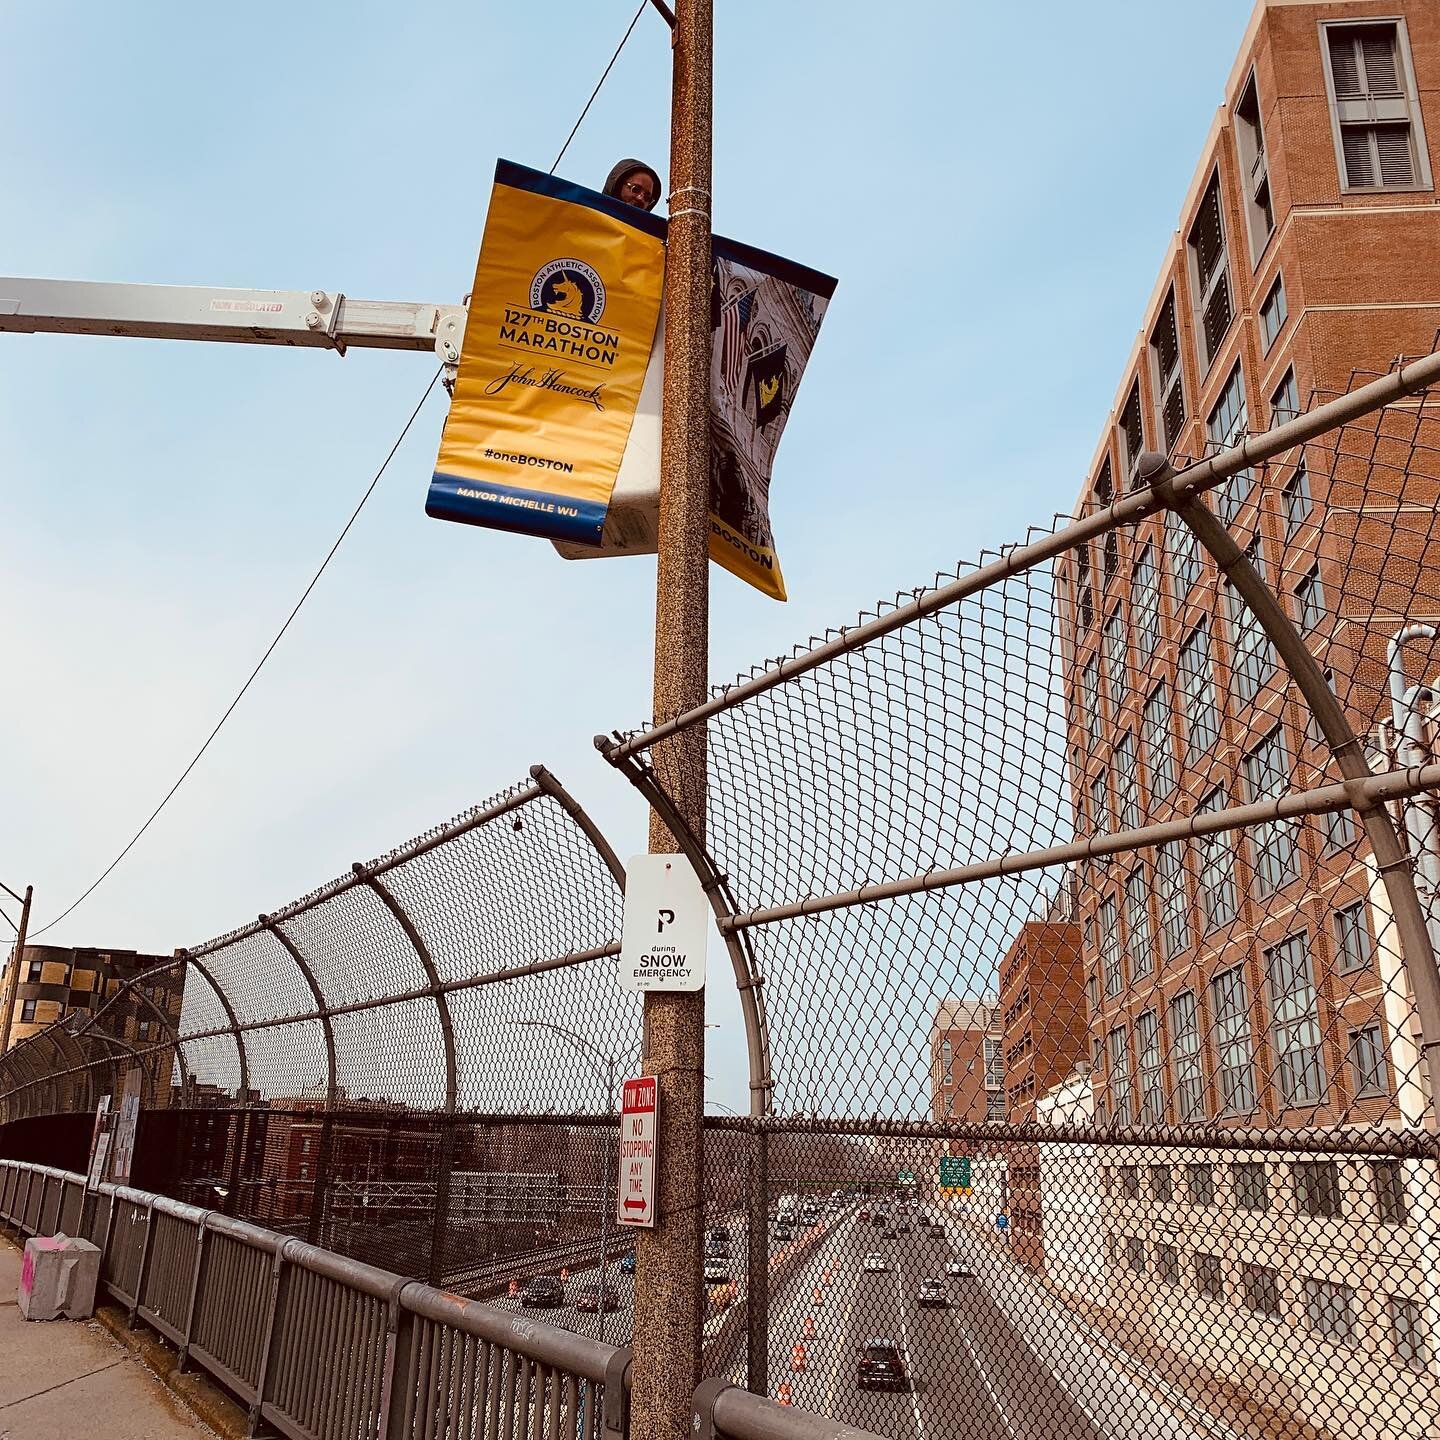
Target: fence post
[143, 1274]
[397, 1387]
[757, 1248]
[192, 1306]
[270, 1341]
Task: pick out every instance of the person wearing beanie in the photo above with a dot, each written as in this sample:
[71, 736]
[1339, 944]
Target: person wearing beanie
[634, 182]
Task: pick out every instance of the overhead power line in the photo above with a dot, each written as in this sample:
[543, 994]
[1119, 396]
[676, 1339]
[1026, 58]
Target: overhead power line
[269, 650]
[634, 21]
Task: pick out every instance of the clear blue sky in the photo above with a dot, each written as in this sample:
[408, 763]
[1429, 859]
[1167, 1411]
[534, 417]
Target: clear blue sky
[993, 186]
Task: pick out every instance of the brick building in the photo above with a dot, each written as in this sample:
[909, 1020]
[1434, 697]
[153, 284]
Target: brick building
[57, 980]
[967, 1072]
[1252, 978]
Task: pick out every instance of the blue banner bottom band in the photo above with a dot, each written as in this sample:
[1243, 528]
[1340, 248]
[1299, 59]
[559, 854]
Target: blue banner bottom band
[504, 507]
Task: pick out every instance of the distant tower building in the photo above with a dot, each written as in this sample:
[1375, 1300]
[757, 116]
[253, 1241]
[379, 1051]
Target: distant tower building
[967, 1069]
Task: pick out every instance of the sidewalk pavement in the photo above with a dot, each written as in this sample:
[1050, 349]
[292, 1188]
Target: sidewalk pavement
[64, 1378]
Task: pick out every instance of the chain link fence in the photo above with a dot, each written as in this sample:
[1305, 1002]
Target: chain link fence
[1083, 909]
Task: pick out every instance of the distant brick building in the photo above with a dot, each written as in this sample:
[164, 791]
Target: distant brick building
[57, 980]
[967, 1069]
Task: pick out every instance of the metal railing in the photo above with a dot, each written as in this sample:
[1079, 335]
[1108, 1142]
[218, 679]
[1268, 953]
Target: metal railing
[321, 1347]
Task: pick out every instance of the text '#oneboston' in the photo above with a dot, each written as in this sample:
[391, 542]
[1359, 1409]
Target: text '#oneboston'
[561, 323]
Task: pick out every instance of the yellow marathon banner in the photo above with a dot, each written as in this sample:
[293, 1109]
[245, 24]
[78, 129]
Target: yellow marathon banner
[562, 337]
[562, 320]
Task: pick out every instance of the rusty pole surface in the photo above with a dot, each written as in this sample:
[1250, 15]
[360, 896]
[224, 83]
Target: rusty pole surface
[12, 980]
[669, 1312]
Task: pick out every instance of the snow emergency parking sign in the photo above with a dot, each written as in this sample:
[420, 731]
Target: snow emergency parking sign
[667, 925]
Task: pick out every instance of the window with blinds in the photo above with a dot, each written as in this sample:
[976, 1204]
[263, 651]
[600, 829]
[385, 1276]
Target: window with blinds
[1169, 388]
[1132, 431]
[1211, 269]
[1374, 108]
[1254, 172]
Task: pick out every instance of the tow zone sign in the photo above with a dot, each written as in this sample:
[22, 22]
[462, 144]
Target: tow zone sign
[635, 1198]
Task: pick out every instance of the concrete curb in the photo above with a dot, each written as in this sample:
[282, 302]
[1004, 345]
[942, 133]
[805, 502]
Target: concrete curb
[192, 1389]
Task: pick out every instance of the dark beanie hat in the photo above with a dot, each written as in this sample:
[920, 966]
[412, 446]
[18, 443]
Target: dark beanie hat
[629, 167]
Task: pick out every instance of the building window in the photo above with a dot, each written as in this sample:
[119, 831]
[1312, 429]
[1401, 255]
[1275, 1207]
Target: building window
[1135, 1254]
[1310, 599]
[1226, 426]
[1367, 1061]
[27, 1012]
[1261, 1287]
[1137, 923]
[1252, 1188]
[1127, 784]
[1112, 646]
[1197, 695]
[1084, 601]
[1217, 870]
[1090, 701]
[304, 1172]
[1185, 1058]
[1120, 1075]
[1373, 108]
[1162, 1184]
[1169, 387]
[1234, 1052]
[1285, 402]
[1129, 1181]
[1170, 877]
[1295, 500]
[1252, 660]
[1295, 1023]
[1200, 1184]
[1184, 556]
[994, 1058]
[1254, 174]
[1405, 1332]
[1353, 950]
[1155, 737]
[1211, 271]
[1099, 804]
[1317, 1187]
[142, 1030]
[1209, 1277]
[1273, 312]
[1330, 1309]
[1152, 1071]
[36, 972]
[1167, 1264]
[1339, 828]
[1132, 432]
[1276, 855]
[1145, 602]
[1388, 1180]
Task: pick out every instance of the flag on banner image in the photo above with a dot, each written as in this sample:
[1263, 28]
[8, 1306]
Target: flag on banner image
[767, 382]
[734, 326]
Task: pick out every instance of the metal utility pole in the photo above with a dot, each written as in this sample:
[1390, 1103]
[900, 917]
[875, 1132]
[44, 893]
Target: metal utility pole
[669, 1313]
[17, 958]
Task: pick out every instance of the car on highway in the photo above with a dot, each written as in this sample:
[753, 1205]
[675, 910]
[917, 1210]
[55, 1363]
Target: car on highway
[717, 1249]
[878, 1218]
[544, 1292]
[784, 1234]
[936, 1229]
[627, 1263]
[881, 1365]
[932, 1294]
[719, 1234]
[717, 1271]
[594, 1298]
[875, 1263]
[960, 1268]
[864, 1212]
[903, 1228]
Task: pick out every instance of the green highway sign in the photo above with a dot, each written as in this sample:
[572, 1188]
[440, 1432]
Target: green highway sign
[954, 1172]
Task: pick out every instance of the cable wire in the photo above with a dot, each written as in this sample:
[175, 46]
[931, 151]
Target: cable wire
[269, 650]
[643, 6]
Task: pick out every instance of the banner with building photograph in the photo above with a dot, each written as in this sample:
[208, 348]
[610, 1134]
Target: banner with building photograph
[765, 313]
[561, 323]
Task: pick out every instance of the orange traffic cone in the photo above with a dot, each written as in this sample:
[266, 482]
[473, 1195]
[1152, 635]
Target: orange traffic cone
[817, 1295]
[809, 1327]
[797, 1356]
[827, 1277]
[514, 1288]
[782, 1395]
[564, 1272]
